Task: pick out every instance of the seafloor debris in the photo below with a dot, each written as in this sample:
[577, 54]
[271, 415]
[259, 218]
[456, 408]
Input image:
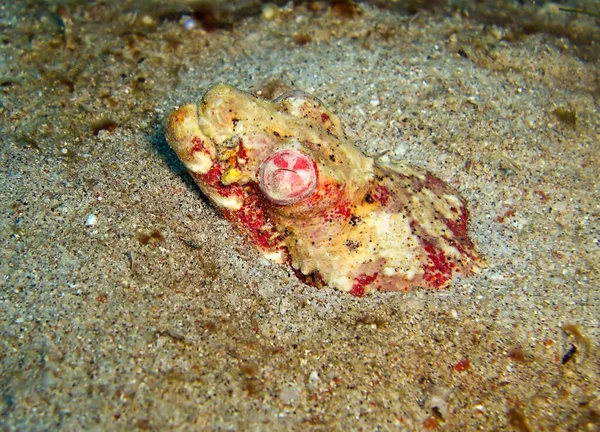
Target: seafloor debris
[566, 116]
[285, 175]
[582, 345]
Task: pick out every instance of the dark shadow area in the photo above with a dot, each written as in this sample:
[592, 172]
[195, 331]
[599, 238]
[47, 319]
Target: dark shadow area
[158, 143]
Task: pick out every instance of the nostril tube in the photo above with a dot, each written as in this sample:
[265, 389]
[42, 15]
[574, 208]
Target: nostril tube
[287, 176]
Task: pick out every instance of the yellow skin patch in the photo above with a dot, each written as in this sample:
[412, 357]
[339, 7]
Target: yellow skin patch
[284, 173]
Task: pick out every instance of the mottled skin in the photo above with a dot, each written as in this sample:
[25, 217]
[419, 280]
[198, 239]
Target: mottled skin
[367, 224]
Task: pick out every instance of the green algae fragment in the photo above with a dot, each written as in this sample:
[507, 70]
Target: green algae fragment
[566, 116]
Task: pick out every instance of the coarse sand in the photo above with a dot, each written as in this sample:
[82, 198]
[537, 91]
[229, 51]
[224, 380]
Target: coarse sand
[128, 303]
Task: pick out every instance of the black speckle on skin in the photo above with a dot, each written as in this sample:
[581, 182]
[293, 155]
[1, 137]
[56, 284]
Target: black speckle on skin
[276, 133]
[352, 244]
[355, 220]
[369, 198]
[332, 157]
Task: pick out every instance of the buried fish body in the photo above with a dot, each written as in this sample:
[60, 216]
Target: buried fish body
[285, 175]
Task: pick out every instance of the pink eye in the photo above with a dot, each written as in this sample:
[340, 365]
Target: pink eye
[287, 176]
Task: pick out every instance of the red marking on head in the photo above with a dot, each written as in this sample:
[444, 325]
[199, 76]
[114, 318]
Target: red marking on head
[327, 192]
[251, 218]
[438, 271]
[254, 222]
[213, 176]
[362, 281]
[324, 117]
[198, 145]
[213, 179]
[341, 211]
[381, 194]
[242, 154]
[434, 183]
[287, 176]
[459, 227]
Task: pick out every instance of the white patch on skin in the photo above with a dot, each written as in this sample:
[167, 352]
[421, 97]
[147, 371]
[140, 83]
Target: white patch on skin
[294, 143]
[389, 271]
[397, 245]
[453, 200]
[239, 127]
[411, 274]
[298, 105]
[230, 203]
[343, 283]
[276, 256]
[199, 163]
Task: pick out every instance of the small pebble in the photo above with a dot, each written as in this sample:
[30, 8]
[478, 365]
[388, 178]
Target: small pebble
[190, 23]
[289, 394]
[148, 20]
[313, 380]
[91, 220]
[270, 11]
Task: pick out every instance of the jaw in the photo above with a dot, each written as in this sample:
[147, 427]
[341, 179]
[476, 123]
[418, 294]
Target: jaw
[195, 150]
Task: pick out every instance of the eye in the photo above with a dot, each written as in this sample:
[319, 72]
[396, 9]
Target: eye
[287, 176]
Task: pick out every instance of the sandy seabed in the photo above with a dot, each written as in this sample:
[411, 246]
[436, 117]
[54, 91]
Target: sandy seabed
[128, 303]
